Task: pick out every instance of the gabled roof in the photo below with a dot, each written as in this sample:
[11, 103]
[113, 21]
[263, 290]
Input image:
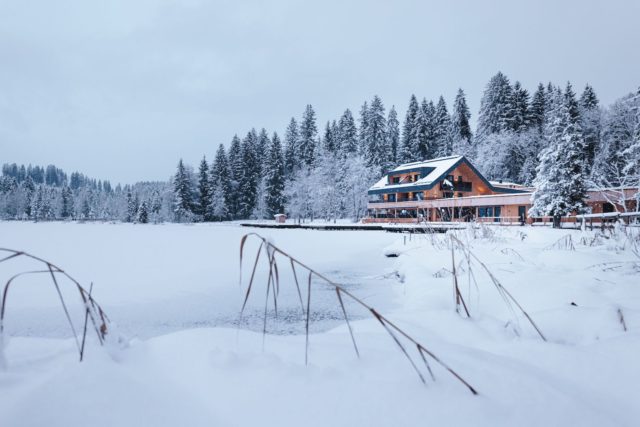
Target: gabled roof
[432, 172]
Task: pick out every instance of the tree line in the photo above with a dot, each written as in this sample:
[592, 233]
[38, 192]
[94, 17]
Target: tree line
[555, 140]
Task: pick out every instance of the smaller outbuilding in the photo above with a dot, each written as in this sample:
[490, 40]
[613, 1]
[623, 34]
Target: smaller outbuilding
[280, 218]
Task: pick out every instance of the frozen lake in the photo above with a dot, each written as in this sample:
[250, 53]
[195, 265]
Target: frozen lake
[155, 279]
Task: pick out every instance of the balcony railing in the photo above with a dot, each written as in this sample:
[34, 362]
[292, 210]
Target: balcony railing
[457, 186]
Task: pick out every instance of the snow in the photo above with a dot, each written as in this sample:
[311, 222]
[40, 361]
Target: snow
[157, 281]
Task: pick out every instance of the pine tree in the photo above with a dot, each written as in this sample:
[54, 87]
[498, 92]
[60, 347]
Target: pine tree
[329, 139]
[130, 208]
[29, 189]
[236, 175]
[591, 123]
[561, 179]
[496, 108]
[393, 137]
[442, 140]
[424, 129]
[520, 115]
[248, 186]
[335, 132]
[308, 132]
[588, 99]
[632, 154]
[204, 190]
[86, 209]
[348, 134]
[36, 207]
[461, 129]
[66, 208]
[143, 213]
[292, 158]
[262, 150]
[363, 130]
[182, 192]
[274, 180]
[376, 152]
[537, 110]
[220, 184]
[409, 151]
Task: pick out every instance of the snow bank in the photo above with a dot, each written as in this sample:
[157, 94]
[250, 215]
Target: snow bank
[585, 374]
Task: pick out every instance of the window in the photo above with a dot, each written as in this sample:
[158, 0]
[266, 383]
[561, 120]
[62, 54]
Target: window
[485, 212]
[522, 213]
[497, 213]
[395, 180]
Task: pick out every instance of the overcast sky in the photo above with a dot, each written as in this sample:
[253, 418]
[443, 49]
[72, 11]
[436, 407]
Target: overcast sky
[123, 89]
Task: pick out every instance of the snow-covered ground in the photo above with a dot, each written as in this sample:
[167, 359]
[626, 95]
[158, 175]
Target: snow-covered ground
[173, 291]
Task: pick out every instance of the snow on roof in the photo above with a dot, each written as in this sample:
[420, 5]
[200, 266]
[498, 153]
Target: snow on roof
[439, 166]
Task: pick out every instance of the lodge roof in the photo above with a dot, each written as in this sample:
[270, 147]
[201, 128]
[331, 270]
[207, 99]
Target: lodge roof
[431, 172]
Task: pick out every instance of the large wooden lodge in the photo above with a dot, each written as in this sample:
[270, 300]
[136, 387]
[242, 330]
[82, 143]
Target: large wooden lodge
[452, 189]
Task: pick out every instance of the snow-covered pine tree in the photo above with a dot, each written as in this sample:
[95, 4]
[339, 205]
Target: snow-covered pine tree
[85, 212]
[376, 152]
[308, 132]
[274, 179]
[221, 190]
[460, 126]
[329, 139]
[36, 205]
[248, 186]
[617, 135]
[408, 150]
[393, 137]
[536, 112]
[347, 134]
[496, 108]
[204, 190]
[292, 158]
[262, 150]
[632, 154]
[129, 208]
[561, 180]
[520, 120]
[236, 175]
[335, 131]
[363, 130]
[442, 130]
[424, 136]
[66, 207]
[28, 190]
[183, 192]
[143, 213]
[155, 206]
[591, 123]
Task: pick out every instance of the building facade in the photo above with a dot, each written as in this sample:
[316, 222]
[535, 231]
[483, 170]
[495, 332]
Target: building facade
[452, 189]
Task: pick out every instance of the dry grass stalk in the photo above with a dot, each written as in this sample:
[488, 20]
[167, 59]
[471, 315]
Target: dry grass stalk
[456, 290]
[396, 333]
[563, 243]
[506, 296]
[621, 319]
[93, 310]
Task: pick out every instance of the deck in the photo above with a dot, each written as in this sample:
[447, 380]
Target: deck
[392, 228]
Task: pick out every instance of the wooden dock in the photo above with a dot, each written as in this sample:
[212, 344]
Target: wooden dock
[392, 228]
